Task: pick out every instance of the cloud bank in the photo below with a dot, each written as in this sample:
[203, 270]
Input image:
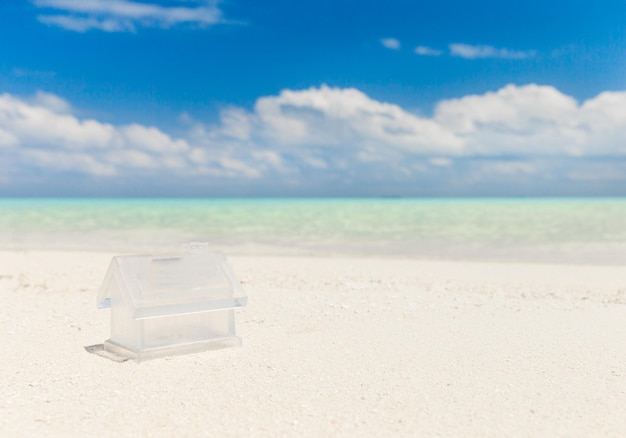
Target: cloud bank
[42, 133]
[335, 136]
[122, 15]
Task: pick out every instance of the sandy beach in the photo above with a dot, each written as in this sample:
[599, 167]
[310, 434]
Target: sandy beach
[332, 347]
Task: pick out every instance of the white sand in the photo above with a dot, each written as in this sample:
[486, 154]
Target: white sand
[332, 346]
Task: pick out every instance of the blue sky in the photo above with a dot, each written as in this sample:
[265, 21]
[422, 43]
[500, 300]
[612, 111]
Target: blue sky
[326, 98]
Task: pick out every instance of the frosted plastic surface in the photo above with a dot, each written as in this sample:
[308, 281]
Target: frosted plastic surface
[173, 284]
[171, 304]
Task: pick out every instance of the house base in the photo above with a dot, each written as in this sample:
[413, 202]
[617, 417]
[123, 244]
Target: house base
[171, 350]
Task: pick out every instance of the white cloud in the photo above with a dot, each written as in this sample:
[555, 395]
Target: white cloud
[131, 157]
[599, 172]
[42, 132]
[346, 119]
[529, 120]
[66, 161]
[536, 120]
[36, 124]
[441, 162]
[476, 52]
[7, 138]
[123, 15]
[390, 43]
[51, 102]
[328, 131]
[151, 139]
[515, 120]
[509, 167]
[83, 24]
[235, 124]
[427, 51]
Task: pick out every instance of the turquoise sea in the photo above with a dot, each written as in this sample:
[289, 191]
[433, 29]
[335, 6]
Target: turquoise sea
[508, 229]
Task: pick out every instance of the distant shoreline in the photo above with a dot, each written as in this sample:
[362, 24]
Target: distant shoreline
[539, 230]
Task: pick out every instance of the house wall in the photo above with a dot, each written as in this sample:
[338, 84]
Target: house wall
[125, 330]
[188, 328]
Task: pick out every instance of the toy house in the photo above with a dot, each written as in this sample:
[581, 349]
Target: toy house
[170, 304]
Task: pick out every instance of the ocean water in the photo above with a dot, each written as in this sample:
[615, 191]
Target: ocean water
[534, 230]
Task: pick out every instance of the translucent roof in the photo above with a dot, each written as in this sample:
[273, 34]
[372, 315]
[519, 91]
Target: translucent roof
[154, 286]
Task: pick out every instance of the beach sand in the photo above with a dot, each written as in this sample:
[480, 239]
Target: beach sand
[332, 346]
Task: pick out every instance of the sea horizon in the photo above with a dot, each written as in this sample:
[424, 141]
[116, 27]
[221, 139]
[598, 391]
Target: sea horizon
[527, 229]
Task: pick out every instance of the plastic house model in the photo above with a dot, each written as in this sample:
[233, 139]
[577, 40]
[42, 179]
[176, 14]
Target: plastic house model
[170, 304]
